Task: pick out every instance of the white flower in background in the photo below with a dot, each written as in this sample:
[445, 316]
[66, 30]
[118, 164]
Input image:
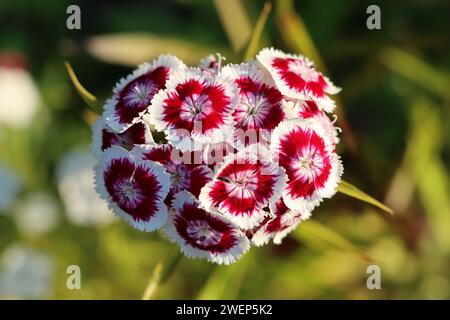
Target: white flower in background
[25, 273]
[19, 97]
[10, 186]
[37, 214]
[75, 185]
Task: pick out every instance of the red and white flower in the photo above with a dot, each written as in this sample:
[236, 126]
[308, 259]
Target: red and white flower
[211, 63]
[306, 151]
[135, 189]
[308, 109]
[104, 137]
[246, 183]
[259, 110]
[203, 234]
[249, 150]
[195, 109]
[185, 174]
[278, 226]
[133, 94]
[297, 77]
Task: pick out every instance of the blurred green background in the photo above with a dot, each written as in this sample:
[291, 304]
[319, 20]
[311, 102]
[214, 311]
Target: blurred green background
[394, 109]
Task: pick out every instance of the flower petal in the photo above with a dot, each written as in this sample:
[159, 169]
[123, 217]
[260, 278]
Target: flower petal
[203, 234]
[104, 137]
[210, 64]
[307, 109]
[215, 153]
[280, 225]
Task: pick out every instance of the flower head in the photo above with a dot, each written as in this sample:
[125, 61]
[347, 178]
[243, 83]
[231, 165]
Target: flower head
[135, 189]
[306, 151]
[203, 234]
[194, 109]
[246, 183]
[297, 77]
[244, 151]
[133, 94]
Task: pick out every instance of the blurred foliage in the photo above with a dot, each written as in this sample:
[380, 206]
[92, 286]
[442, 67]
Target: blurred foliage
[396, 100]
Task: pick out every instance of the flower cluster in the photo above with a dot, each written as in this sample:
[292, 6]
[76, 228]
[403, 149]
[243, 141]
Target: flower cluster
[219, 157]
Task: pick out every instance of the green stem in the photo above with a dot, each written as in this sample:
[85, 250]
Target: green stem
[162, 272]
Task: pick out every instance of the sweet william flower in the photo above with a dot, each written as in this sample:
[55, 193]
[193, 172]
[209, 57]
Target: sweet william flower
[186, 173]
[204, 234]
[104, 137]
[277, 226]
[246, 151]
[211, 64]
[306, 151]
[246, 183]
[260, 104]
[297, 78]
[135, 189]
[133, 94]
[195, 109]
[308, 109]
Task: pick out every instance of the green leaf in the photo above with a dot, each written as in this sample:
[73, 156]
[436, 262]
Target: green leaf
[225, 282]
[416, 70]
[253, 44]
[424, 164]
[162, 272]
[133, 48]
[88, 97]
[318, 236]
[352, 191]
[235, 22]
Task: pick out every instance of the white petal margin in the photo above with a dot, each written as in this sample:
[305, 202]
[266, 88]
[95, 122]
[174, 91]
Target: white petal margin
[96, 144]
[253, 152]
[263, 237]
[328, 124]
[293, 218]
[167, 60]
[249, 69]
[265, 58]
[228, 257]
[159, 219]
[194, 141]
[330, 186]
[293, 108]
[97, 135]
